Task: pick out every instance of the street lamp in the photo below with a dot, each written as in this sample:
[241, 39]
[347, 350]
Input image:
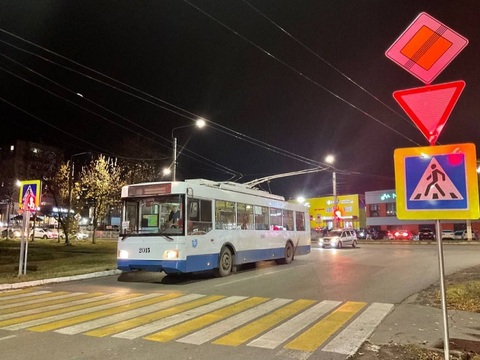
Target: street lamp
[330, 159]
[199, 123]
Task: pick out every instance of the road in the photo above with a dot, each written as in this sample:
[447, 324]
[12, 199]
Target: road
[322, 306]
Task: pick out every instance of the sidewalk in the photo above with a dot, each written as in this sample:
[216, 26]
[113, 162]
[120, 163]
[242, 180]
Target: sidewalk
[423, 326]
[22, 285]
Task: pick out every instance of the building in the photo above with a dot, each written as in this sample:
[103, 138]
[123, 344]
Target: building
[381, 214]
[350, 212]
[23, 160]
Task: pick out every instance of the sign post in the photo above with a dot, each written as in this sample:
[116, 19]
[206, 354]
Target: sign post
[29, 200]
[439, 189]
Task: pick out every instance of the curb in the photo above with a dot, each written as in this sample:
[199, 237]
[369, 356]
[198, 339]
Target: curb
[57, 280]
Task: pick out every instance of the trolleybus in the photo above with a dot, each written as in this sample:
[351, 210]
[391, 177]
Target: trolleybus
[197, 225]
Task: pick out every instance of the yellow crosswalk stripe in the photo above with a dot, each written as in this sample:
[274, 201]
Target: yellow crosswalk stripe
[22, 319]
[256, 327]
[49, 303]
[145, 319]
[312, 338]
[33, 297]
[94, 315]
[16, 292]
[204, 320]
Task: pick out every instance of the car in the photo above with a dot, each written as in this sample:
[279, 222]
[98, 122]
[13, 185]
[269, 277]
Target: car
[339, 238]
[402, 235]
[43, 234]
[463, 235]
[12, 233]
[381, 235]
[426, 234]
[362, 233]
[448, 234]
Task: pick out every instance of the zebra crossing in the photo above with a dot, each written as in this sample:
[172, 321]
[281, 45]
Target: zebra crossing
[300, 326]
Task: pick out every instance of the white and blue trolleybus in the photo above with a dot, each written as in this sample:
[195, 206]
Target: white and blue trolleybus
[197, 225]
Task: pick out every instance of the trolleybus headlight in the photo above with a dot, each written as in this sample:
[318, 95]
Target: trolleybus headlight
[122, 254]
[170, 254]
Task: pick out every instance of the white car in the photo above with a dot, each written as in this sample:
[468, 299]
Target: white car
[462, 235]
[43, 234]
[448, 234]
[339, 238]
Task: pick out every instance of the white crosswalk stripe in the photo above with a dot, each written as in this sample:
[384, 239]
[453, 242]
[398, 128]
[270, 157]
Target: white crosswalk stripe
[198, 319]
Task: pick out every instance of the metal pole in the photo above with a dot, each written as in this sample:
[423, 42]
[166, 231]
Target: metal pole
[174, 176]
[446, 345]
[335, 200]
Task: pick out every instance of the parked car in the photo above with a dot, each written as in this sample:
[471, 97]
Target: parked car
[448, 234]
[339, 238]
[362, 233]
[426, 234]
[381, 235]
[43, 233]
[12, 233]
[462, 235]
[402, 235]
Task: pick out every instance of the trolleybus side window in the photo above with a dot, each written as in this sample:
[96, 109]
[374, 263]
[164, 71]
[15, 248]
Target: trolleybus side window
[224, 215]
[261, 217]
[300, 220]
[199, 216]
[244, 216]
[288, 219]
[276, 219]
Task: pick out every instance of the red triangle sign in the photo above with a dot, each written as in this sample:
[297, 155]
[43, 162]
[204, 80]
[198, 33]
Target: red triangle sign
[430, 106]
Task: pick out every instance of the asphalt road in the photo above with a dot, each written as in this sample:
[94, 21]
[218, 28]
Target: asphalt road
[311, 308]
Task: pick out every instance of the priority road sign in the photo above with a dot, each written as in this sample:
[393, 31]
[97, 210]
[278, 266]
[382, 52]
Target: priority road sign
[426, 48]
[437, 182]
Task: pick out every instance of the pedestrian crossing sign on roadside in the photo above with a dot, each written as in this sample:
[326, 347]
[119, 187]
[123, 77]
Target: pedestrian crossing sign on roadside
[437, 182]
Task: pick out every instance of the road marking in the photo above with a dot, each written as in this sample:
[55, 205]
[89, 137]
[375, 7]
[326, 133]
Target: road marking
[256, 327]
[312, 338]
[16, 294]
[209, 303]
[355, 334]
[52, 315]
[302, 326]
[36, 295]
[166, 301]
[40, 303]
[218, 329]
[204, 320]
[282, 333]
[68, 301]
[252, 278]
[135, 303]
[7, 337]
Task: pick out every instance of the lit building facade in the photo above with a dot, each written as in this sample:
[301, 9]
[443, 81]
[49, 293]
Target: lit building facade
[351, 211]
[381, 214]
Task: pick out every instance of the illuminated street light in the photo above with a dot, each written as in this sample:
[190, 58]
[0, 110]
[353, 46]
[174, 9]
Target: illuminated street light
[200, 123]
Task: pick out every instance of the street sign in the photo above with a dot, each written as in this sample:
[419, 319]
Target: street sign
[430, 106]
[426, 47]
[30, 193]
[437, 182]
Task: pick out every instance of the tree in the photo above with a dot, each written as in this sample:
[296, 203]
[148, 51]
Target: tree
[99, 186]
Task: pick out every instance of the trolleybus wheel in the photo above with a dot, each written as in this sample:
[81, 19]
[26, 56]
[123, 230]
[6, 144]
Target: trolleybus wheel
[225, 263]
[289, 252]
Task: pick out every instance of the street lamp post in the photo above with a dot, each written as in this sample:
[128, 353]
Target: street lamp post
[330, 159]
[200, 123]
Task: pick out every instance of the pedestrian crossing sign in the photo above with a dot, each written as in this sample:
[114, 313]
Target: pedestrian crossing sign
[437, 182]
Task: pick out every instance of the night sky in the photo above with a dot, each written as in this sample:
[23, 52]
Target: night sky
[281, 84]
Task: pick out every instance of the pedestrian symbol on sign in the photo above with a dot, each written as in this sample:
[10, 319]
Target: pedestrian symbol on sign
[435, 184]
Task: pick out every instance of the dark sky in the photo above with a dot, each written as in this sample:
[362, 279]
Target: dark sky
[282, 84]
